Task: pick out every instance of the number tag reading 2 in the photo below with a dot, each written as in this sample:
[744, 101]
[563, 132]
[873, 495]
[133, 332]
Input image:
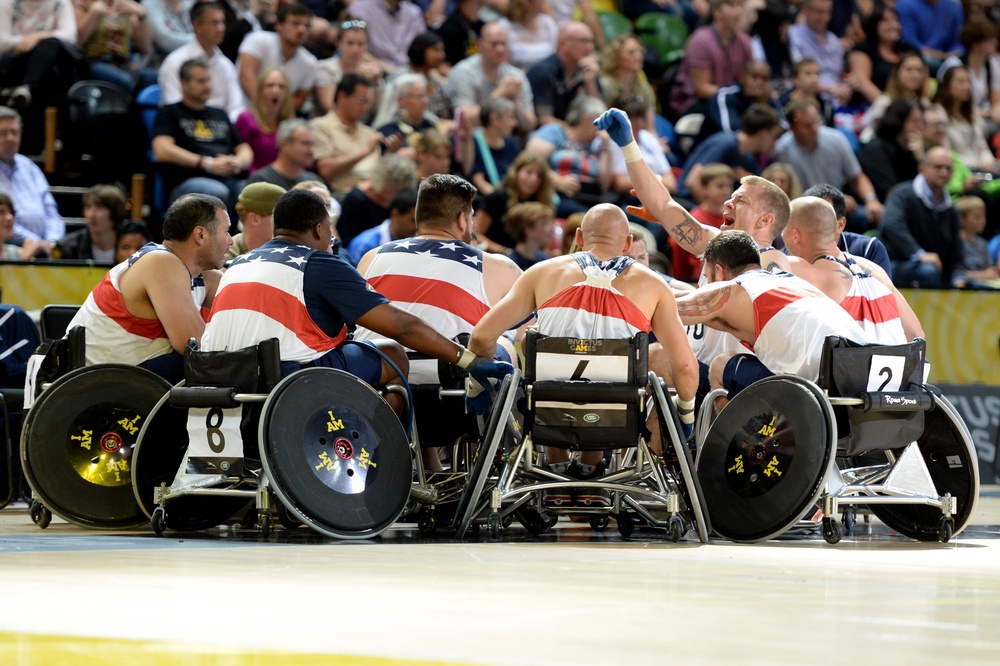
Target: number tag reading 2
[216, 445]
[885, 373]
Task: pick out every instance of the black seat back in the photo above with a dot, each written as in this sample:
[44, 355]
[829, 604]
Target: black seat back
[54, 320]
[585, 394]
[249, 370]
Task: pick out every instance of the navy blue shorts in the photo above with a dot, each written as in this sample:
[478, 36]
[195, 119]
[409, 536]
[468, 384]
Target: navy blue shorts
[361, 359]
[741, 371]
[502, 354]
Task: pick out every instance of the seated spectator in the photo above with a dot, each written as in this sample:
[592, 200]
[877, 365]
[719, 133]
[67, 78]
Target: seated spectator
[129, 237]
[333, 208]
[716, 186]
[209, 25]
[37, 217]
[921, 228]
[714, 56]
[579, 158]
[426, 57]
[533, 33]
[741, 150]
[966, 130]
[283, 48]
[8, 250]
[932, 26]
[347, 150]
[197, 147]
[566, 74]
[894, 154]
[296, 145]
[170, 21]
[352, 57]
[240, 21]
[980, 41]
[460, 31]
[528, 179]
[812, 39]
[367, 205]
[494, 146]
[400, 224]
[639, 111]
[258, 125]
[725, 112]
[979, 267]
[107, 33]
[104, 210]
[412, 118]
[805, 87]
[622, 76]
[530, 225]
[909, 78]
[860, 245]
[392, 25]
[255, 209]
[488, 74]
[784, 176]
[871, 63]
[822, 155]
[433, 154]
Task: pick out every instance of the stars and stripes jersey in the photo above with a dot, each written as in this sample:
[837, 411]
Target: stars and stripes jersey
[303, 297]
[707, 342]
[871, 304]
[792, 320]
[115, 335]
[593, 308]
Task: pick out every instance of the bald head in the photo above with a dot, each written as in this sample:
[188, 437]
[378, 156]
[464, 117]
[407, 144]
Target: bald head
[606, 227]
[815, 220]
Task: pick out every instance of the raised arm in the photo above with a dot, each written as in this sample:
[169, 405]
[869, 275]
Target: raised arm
[512, 309]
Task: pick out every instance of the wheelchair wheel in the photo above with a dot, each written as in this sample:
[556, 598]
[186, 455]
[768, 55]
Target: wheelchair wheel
[335, 453]
[950, 456]
[159, 452]
[766, 458]
[492, 435]
[78, 440]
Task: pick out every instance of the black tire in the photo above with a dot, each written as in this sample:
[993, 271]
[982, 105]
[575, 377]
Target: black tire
[831, 530]
[599, 523]
[625, 524]
[495, 526]
[158, 520]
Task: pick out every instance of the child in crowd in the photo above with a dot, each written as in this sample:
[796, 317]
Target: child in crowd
[494, 146]
[530, 224]
[976, 256]
[718, 181]
[129, 237]
[9, 251]
[805, 85]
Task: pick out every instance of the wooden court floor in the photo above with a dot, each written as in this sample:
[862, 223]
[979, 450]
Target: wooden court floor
[225, 597]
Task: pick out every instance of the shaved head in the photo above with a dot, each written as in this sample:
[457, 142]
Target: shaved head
[815, 219]
[604, 224]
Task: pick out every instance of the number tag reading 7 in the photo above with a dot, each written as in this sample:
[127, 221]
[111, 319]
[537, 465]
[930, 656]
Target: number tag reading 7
[215, 443]
[885, 373]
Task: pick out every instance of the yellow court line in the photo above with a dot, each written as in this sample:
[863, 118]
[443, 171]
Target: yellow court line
[18, 649]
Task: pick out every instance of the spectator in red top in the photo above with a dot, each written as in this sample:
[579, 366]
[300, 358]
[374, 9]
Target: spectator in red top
[717, 183]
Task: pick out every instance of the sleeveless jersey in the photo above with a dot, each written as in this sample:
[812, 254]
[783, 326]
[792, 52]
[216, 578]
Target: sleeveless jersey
[792, 320]
[261, 296]
[115, 335]
[593, 308]
[871, 304]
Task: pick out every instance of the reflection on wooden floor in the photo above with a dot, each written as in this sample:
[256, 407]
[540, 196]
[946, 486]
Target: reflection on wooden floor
[225, 597]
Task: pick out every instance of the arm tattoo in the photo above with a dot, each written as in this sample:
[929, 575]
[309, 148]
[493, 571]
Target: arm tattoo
[703, 304]
[688, 233]
[771, 266]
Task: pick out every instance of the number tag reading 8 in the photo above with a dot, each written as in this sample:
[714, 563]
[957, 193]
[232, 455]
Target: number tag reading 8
[210, 431]
[885, 373]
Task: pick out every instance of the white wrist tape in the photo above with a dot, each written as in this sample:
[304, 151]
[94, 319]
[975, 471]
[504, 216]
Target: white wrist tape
[465, 358]
[685, 410]
[631, 152]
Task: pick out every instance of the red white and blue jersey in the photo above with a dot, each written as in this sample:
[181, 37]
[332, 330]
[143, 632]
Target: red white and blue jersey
[303, 297]
[792, 320]
[872, 304]
[707, 342]
[115, 335]
[593, 308]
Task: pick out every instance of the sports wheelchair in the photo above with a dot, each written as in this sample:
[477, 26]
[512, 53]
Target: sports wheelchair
[321, 440]
[869, 433]
[583, 395]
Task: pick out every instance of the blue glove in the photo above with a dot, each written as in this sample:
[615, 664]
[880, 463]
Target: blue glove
[615, 123]
[485, 377]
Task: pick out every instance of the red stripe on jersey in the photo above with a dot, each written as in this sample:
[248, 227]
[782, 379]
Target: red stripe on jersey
[111, 302]
[443, 295]
[877, 310]
[600, 302]
[771, 303]
[280, 306]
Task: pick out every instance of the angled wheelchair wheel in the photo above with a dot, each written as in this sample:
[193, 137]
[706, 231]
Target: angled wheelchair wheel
[335, 453]
[481, 468]
[766, 457]
[78, 441]
[950, 456]
[157, 457]
[689, 483]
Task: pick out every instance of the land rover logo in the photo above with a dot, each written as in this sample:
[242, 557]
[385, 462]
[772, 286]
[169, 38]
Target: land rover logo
[591, 418]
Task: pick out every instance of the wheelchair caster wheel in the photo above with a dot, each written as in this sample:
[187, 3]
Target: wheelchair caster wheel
[831, 530]
[427, 523]
[158, 521]
[625, 524]
[495, 526]
[287, 519]
[849, 518]
[598, 523]
[265, 526]
[676, 528]
[946, 529]
[40, 515]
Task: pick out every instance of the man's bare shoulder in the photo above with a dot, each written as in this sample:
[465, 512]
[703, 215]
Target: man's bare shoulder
[775, 259]
[156, 266]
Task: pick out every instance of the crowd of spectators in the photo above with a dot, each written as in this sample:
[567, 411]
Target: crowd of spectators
[896, 103]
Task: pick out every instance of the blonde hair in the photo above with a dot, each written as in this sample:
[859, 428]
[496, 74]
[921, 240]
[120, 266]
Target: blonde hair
[967, 204]
[611, 51]
[287, 110]
[794, 184]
